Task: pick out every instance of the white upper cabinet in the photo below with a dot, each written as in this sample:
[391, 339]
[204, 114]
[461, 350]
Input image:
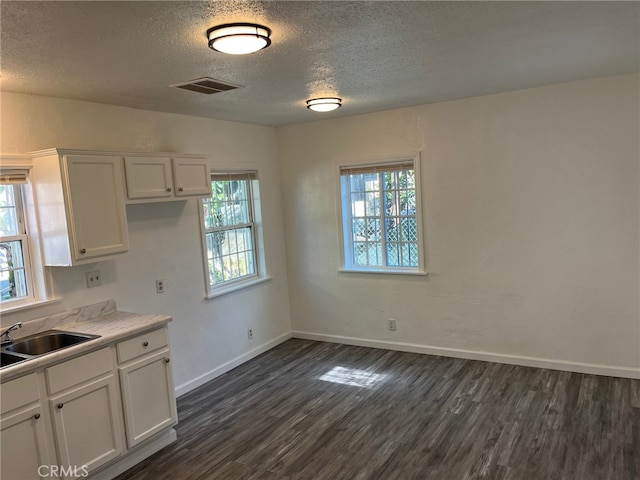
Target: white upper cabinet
[164, 178]
[148, 177]
[192, 177]
[81, 195]
[81, 204]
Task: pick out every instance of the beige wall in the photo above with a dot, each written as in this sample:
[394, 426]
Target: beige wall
[531, 228]
[206, 336]
[531, 219]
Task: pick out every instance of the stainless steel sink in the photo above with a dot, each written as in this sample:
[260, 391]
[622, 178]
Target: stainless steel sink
[47, 342]
[7, 359]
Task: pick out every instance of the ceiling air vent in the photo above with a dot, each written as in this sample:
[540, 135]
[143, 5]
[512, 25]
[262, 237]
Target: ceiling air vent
[206, 85]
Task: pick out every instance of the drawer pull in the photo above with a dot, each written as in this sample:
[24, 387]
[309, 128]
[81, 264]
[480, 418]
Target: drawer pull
[168, 189]
[145, 344]
[60, 405]
[181, 189]
[36, 416]
[167, 360]
[83, 251]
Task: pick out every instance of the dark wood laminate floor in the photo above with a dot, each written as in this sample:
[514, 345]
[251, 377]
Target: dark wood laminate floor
[311, 410]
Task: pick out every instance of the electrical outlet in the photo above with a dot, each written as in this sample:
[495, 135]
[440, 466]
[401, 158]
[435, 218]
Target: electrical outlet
[250, 333]
[94, 279]
[392, 325]
[159, 286]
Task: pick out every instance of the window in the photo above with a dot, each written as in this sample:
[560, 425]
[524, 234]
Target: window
[380, 214]
[16, 281]
[24, 282]
[230, 232]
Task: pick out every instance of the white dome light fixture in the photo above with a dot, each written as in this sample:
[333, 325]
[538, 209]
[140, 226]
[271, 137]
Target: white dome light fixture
[324, 104]
[239, 38]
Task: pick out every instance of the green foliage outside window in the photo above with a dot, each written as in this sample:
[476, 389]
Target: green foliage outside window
[229, 231]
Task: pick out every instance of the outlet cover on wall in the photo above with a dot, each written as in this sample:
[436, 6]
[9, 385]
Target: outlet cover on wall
[392, 325]
[94, 279]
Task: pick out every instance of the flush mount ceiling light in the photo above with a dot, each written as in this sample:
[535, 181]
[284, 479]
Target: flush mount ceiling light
[325, 104]
[239, 38]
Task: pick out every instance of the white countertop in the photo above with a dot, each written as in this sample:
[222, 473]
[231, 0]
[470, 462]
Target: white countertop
[100, 319]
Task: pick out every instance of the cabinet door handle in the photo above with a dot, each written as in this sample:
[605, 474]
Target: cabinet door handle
[168, 189]
[167, 360]
[181, 189]
[145, 344]
[36, 416]
[83, 251]
[60, 405]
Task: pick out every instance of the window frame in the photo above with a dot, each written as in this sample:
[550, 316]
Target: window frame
[345, 218]
[22, 237]
[253, 198]
[38, 278]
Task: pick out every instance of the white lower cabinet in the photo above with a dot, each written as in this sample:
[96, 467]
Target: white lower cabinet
[147, 385]
[23, 435]
[24, 444]
[86, 413]
[147, 395]
[86, 423]
[78, 409]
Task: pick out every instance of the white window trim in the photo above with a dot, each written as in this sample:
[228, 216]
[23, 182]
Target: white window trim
[261, 274]
[386, 271]
[347, 265]
[235, 286]
[40, 281]
[21, 306]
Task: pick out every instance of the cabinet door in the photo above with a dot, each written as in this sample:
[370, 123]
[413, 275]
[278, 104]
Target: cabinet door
[148, 396]
[95, 189]
[192, 177]
[86, 424]
[24, 445]
[148, 177]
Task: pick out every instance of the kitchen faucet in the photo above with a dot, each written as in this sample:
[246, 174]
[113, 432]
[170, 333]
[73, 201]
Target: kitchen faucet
[7, 333]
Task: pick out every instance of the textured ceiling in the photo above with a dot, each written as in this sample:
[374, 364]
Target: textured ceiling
[376, 55]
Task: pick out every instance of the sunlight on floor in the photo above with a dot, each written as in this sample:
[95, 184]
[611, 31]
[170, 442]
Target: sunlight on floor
[352, 377]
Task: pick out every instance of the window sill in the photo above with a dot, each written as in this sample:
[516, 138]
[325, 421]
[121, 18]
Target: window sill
[19, 307]
[237, 286]
[386, 271]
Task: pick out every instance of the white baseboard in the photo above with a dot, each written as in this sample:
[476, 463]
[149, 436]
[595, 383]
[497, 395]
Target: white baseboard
[136, 456]
[224, 368]
[612, 371]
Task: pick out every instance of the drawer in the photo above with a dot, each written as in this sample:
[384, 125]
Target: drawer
[19, 393]
[79, 370]
[142, 344]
